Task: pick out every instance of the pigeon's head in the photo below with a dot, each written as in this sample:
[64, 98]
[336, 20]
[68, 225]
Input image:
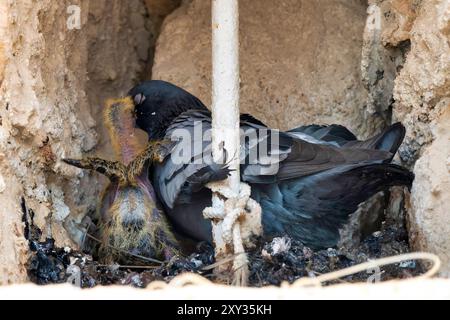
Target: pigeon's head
[158, 103]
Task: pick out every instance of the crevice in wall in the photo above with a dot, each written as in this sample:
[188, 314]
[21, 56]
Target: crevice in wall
[157, 11]
[144, 22]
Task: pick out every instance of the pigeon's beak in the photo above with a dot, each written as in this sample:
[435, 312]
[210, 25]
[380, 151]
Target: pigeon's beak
[73, 162]
[138, 99]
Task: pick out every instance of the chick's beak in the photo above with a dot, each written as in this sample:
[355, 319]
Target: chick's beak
[134, 112]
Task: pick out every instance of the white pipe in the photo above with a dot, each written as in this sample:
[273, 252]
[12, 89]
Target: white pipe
[225, 82]
[225, 98]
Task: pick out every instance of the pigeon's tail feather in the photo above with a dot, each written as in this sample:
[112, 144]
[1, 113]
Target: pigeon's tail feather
[385, 175]
[388, 140]
[313, 208]
[392, 138]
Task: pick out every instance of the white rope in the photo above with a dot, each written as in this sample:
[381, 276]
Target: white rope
[240, 218]
[370, 265]
[187, 279]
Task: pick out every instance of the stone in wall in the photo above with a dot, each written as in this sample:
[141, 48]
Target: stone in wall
[421, 101]
[429, 211]
[161, 8]
[381, 60]
[300, 60]
[157, 10]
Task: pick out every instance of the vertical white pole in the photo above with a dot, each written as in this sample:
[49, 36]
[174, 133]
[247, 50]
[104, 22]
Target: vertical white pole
[225, 82]
[225, 102]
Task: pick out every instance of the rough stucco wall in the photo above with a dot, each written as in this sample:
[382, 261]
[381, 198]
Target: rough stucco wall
[422, 95]
[300, 59]
[157, 10]
[420, 91]
[422, 87]
[430, 213]
[54, 83]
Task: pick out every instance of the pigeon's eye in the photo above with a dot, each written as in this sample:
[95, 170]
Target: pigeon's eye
[139, 98]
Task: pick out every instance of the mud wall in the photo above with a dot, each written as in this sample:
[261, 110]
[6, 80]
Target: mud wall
[406, 65]
[300, 59]
[55, 72]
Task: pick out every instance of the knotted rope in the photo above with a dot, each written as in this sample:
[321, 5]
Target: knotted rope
[240, 218]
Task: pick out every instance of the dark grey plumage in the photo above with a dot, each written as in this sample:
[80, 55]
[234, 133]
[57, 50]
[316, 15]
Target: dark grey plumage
[322, 173]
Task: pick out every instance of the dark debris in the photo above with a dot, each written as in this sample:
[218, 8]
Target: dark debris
[271, 263]
[269, 268]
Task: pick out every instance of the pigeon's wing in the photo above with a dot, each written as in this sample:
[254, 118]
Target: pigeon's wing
[285, 155]
[307, 158]
[328, 147]
[189, 167]
[388, 140]
[333, 134]
[313, 208]
[267, 155]
[262, 151]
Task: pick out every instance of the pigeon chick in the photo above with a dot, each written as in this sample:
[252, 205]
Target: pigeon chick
[132, 227]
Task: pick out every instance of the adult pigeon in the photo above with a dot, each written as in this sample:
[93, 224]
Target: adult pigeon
[316, 177]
